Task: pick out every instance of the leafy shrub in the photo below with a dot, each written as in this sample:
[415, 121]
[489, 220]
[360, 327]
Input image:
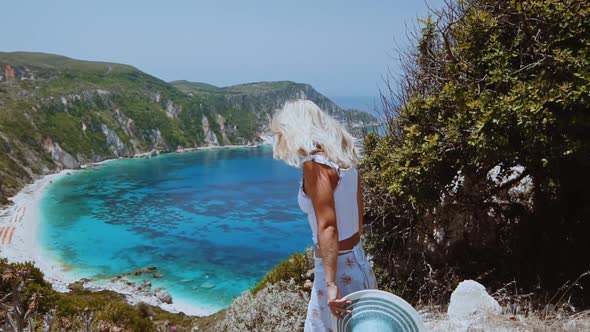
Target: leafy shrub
[124, 315]
[69, 304]
[293, 268]
[144, 310]
[31, 298]
[21, 289]
[484, 169]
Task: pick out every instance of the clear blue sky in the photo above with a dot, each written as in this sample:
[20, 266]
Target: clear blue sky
[340, 47]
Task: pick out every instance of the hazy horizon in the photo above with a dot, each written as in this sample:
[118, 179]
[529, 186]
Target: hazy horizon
[342, 48]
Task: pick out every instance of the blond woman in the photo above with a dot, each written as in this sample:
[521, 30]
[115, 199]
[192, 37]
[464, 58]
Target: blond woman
[330, 195]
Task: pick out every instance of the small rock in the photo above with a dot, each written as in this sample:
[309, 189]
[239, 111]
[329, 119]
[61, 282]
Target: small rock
[157, 275]
[308, 284]
[470, 300]
[164, 296]
[151, 268]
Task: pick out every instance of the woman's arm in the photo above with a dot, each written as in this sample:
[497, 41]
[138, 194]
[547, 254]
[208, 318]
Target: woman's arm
[319, 186]
[320, 182]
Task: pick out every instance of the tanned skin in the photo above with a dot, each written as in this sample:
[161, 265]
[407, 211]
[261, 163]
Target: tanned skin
[320, 182]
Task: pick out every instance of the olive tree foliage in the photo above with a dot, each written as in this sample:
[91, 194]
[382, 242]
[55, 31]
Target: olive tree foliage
[484, 169]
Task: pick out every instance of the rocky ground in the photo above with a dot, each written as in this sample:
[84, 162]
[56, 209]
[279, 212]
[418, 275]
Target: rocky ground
[472, 309]
[436, 321]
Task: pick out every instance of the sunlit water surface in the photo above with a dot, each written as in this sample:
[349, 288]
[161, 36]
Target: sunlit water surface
[212, 222]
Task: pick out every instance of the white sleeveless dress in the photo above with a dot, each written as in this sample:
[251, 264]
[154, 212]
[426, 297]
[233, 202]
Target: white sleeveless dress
[353, 272]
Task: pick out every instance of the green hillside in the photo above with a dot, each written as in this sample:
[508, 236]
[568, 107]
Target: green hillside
[264, 97]
[57, 112]
[197, 87]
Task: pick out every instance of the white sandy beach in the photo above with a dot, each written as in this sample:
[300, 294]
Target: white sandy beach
[24, 217]
[19, 225]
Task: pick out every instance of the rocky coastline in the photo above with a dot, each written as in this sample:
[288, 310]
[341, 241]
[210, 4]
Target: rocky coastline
[24, 215]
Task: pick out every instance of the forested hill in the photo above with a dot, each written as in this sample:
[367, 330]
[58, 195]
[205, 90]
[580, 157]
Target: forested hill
[57, 112]
[262, 97]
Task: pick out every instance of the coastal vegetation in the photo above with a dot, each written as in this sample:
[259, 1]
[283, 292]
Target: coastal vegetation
[298, 267]
[277, 307]
[57, 112]
[484, 168]
[28, 303]
[481, 173]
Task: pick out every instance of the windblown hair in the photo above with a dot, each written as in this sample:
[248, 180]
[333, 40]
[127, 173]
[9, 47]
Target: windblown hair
[301, 128]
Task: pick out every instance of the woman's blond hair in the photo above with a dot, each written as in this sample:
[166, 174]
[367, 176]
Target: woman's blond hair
[301, 128]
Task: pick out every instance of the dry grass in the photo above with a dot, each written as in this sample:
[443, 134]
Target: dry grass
[436, 320]
[276, 307]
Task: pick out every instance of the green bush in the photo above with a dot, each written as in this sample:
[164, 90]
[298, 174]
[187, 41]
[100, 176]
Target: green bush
[295, 267]
[13, 274]
[484, 169]
[124, 315]
[110, 309]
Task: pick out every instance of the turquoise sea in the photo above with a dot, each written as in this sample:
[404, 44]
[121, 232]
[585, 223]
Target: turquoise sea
[213, 221]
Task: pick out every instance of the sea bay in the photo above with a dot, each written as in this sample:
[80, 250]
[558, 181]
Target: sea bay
[213, 222]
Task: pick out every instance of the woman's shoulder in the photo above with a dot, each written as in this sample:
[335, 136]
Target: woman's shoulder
[321, 159]
[318, 169]
[324, 160]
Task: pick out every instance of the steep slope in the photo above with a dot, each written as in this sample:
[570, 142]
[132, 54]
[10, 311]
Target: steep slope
[262, 98]
[57, 112]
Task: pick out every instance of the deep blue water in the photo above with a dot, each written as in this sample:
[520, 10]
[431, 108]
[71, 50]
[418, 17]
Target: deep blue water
[213, 222]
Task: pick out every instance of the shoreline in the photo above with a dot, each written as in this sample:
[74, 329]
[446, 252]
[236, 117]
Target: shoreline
[21, 224]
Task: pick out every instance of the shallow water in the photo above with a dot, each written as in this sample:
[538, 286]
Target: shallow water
[213, 221]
